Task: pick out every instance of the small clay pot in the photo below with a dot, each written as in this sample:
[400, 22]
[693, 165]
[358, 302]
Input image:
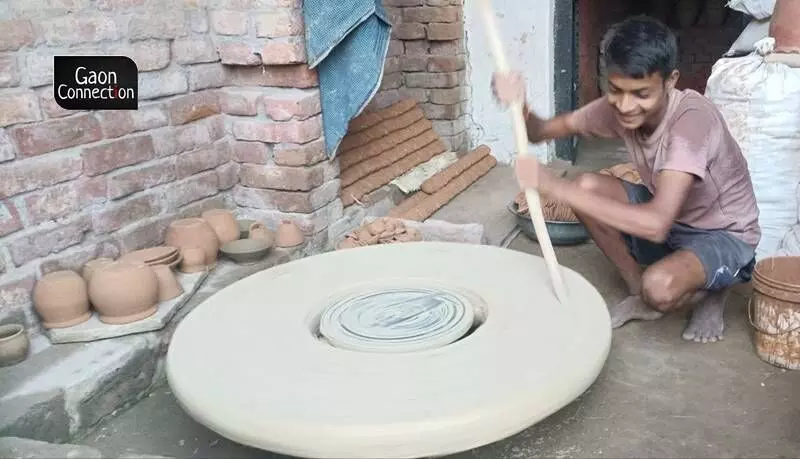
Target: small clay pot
[168, 285]
[223, 223]
[61, 299]
[194, 232]
[259, 231]
[244, 227]
[124, 292]
[93, 265]
[288, 235]
[194, 260]
[14, 344]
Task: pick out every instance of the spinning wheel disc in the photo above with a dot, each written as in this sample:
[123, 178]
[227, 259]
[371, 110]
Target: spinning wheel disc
[390, 351]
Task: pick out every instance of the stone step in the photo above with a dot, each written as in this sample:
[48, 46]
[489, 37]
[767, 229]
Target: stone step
[25, 448]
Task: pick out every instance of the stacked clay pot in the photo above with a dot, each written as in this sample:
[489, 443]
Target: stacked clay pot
[381, 231]
[197, 241]
[288, 235]
[124, 291]
[61, 299]
[223, 223]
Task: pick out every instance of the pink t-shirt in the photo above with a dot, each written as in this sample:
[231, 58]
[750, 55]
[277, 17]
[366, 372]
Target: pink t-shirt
[694, 138]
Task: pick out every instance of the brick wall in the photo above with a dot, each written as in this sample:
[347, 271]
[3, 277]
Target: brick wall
[427, 62]
[229, 117]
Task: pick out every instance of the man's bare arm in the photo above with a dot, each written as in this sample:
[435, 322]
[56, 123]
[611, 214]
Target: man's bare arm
[541, 130]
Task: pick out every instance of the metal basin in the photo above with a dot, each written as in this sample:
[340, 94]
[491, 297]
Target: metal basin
[561, 233]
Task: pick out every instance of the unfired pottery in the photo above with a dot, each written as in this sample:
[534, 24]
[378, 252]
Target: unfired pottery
[244, 227]
[168, 285]
[61, 299]
[124, 292]
[14, 344]
[93, 265]
[194, 232]
[247, 251]
[288, 235]
[223, 223]
[151, 255]
[259, 231]
[194, 259]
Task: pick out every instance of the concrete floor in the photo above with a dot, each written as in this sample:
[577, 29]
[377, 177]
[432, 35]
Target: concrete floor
[658, 395]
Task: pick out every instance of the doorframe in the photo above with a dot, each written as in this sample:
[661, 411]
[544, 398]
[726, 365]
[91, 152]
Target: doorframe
[565, 70]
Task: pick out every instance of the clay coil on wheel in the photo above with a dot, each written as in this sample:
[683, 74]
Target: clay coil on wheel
[268, 379]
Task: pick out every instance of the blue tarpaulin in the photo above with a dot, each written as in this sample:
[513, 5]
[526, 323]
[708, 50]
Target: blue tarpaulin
[347, 42]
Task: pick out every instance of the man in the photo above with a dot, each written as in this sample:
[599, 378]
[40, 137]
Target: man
[693, 225]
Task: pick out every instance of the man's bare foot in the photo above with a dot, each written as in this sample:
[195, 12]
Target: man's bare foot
[632, 308]
[707, 322]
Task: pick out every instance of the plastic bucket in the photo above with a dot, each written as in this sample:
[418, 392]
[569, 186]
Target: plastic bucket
[774, 311]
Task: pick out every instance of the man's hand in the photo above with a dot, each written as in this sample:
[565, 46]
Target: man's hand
[531, 175]
[508, 88]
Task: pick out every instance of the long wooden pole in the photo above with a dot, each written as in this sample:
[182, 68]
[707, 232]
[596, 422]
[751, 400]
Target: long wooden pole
[521, 136]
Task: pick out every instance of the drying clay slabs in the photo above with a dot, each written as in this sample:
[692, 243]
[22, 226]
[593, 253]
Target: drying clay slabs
[390, 351]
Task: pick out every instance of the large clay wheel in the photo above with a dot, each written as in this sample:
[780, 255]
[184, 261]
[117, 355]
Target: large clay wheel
[368, 353]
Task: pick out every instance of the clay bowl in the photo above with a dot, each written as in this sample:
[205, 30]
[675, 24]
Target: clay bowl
[244, 227]
[14, 344]
[194, 232]
[247, 251]
[152, 255]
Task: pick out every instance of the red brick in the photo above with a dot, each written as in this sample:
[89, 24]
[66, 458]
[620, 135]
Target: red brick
[446, 48]
[277, 132]
[125, 212]
[58, 134]
[117, 123]
[47, 239]
[446, 63]
[433, 80]
[409, 31]
[416, 47]
[426, 14]
[193, 189]
[192, 107]
[18, 106]
[77, 29]
[147, 233]
[238, 54]
[117, 153]
[75, 258]
[144, 177]
[205, 76]
[148, 54]
[15, 34]
[226, 22]
[7, 149]
[281, 177]
[49, 106]
[114, 5]
[279, 23]
[174, 140]
[284, 105]
[162, 83]
[240, 102]
[310, 224]
[285, 76]
[196, 208]
[392, 81]
[194, 50]
[159, 23]
[216, 126]
[9, 72]
[443, 32]
[437, 2]
[31, 174]
[251, 152]
[62, 200]
[396, 48]
[227, 175]
[449, 127]
[10, 221]
[308, 154]
[392, 65]
[414, 63]
[278, 52]
[188, 164]
[442, 112]
[287, 201]
[402, 2]
[447, 96]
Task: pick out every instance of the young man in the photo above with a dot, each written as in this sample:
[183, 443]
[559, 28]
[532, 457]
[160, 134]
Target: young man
[693, 225]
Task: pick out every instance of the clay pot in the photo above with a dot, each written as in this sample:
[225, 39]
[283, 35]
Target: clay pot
[14, 344]
[223, 223]
[194, 232]
[259, 231]
[124, 292]
[783, 26]
[194, 260]
[93, 265]
[288, 235]
[168, 285]
[61, 299]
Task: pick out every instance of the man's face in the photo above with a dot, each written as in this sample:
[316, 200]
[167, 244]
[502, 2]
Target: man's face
[636, 101]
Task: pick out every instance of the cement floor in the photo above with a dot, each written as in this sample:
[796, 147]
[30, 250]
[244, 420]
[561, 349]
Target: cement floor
[658, 395]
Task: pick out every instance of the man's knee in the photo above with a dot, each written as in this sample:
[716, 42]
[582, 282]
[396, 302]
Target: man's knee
[591, 181]
[661, 289]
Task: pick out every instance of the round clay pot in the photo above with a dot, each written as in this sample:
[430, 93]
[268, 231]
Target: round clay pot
[223, 223]
[61, 298]
[93, 265]
[194, 259]
[168, 285]
[194, 232]
[288, 235]
[124, 292]
[14, 344]
[259, 231]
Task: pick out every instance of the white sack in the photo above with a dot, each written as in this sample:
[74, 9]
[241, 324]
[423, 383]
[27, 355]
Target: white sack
[756, 30]
[759, 9]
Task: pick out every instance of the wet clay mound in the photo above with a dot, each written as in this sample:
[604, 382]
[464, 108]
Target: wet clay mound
[446, 185]
[381, 231]
[383, 145]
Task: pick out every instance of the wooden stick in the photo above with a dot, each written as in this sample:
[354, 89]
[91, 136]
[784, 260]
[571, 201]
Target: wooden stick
[521, 136]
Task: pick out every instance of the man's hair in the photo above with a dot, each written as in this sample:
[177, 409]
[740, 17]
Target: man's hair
[639, 47]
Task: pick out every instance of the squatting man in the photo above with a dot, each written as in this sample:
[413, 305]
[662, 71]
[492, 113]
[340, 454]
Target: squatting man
[689, 233]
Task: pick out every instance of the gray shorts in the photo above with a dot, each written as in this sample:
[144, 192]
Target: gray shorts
[726, 259]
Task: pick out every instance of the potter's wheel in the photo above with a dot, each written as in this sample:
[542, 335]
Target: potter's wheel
[390, 351]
